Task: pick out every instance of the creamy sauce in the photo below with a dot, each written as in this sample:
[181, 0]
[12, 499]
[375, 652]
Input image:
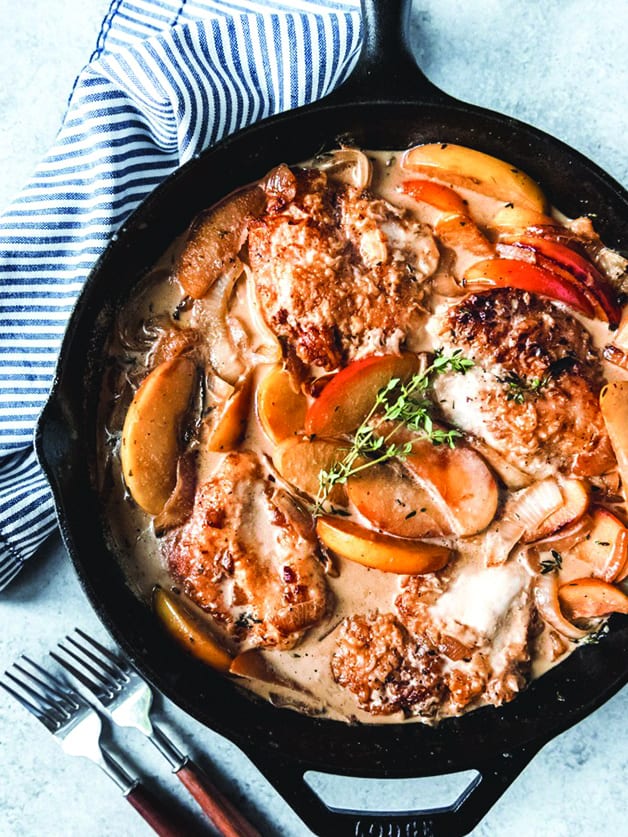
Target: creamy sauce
[479, 599]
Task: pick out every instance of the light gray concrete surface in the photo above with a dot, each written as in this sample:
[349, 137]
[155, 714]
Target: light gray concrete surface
[561, 65]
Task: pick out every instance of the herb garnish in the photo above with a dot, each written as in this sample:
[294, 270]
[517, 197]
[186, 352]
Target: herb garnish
[552, 564]
[519, 387]
[406, 406]
[595, 636]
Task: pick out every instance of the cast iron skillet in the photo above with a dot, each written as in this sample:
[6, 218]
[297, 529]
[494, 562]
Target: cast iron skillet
[387, 103]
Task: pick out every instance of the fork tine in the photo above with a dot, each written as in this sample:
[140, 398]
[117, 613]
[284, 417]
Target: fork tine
[106, 672]
[62, 691]
[114, 660]
[94, 687]
[56, 713]
[35, 710]
[106, 684]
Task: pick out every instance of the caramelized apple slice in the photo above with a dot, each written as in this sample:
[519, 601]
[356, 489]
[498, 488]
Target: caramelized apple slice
[512, 273]
[150, 446]
[459, 482]
[281, 410]
[590, 598]
[348, 397]
[254, 666]
[606, 547]
[436, 195]
[395, 503]
[215, 238]
[189, 630]
[380, 552]
[460, 231]
[511, 219]
[576, 502]
[461, 166]
[614, 406]
[300, 463]
[231, 426]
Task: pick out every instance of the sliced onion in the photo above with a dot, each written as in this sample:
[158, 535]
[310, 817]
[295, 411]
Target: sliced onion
[210, 315]
[547, 604]
[268, 345]
[568, 536]
[510, 475]
[349, 166]
[524, 512]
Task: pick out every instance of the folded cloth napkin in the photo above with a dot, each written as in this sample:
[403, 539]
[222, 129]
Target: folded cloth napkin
[167, 79]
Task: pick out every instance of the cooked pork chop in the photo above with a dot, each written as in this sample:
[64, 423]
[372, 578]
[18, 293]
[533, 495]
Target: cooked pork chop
[249, 557]
[339, 274]
[450, 646]
[533, 393]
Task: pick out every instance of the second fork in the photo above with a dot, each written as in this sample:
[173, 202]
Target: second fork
[127, 698]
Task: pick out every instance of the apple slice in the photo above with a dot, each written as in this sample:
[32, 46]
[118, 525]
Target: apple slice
[380, 552]
[394, 502]
[460, 231]
[512, 219]
[576, 502]
[189, 630]
[512, 273]
[281, 410]
[231, 426]
[436, 195]
[459, 482]
[548, 605]
[471, 169]
[584, 271]
[614, 406]
[606, 546]
[347, 399]
[591, 598]
[300, 462]
[151, 446]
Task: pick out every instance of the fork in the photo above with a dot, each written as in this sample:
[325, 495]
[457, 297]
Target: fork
[77, 727]
[127, 699]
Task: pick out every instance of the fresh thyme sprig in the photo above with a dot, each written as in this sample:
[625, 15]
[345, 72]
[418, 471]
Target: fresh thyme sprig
[519, 387]
[403, 404]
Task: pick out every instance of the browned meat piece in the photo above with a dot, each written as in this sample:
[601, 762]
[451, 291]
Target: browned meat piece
[533, 394]
[339, 274]
[386, 670]
[249, 557]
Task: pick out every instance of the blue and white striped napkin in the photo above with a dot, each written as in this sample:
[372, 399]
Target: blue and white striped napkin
[167, 79]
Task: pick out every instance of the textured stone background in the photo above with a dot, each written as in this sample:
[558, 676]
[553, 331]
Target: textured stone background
[562, 66]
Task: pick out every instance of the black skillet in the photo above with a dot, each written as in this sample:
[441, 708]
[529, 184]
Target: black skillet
[387, 103]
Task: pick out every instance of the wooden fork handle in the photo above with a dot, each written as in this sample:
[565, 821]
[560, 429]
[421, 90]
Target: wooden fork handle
[153, 810]
[220, 810]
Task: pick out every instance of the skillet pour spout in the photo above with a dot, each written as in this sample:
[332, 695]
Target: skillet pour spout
[387, 103]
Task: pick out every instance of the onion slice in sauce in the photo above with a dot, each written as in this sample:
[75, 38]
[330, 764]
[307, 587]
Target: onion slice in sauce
[523, 514]
[349, 166]
[546, 599]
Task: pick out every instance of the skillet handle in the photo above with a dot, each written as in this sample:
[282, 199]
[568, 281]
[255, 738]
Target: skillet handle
[459, 819]
[386, 69]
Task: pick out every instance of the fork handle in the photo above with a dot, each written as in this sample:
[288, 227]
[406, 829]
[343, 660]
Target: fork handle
[220, 810]
[153, 810]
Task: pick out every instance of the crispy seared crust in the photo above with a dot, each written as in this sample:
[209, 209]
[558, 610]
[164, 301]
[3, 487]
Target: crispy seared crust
[512, 334]
[339, 274]
[248, 556]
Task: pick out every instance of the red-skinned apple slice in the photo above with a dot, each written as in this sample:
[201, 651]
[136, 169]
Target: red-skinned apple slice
[580, 267]
[606, 547]
[471, 169]
[576, 502]
[591, 598]
[380, 552]
[511, 273]
[436, 195]
[459, 482]
[394, 502]
[348, 397]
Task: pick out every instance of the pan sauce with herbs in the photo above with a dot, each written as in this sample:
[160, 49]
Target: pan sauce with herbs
[354, 439]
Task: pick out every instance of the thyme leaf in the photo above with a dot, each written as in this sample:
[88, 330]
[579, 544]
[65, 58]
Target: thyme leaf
[518, 388]
[553, 564]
